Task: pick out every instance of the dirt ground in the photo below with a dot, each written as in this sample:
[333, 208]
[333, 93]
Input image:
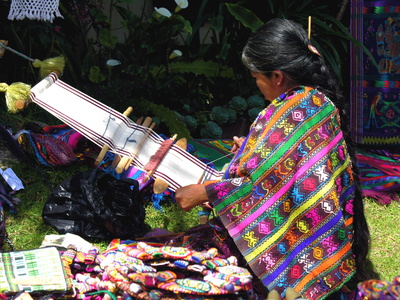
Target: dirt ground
[6, 157]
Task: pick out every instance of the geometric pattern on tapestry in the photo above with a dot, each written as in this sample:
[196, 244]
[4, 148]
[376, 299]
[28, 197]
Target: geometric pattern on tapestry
[375, 92]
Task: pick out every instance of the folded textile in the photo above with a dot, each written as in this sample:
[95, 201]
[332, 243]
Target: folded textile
[379, 175]
[48, 150]
[56, 145]
[37, 270]
[155, 271]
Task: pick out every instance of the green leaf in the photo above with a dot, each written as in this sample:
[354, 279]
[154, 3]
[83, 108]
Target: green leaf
[186, 24]
[217, 23]
[125, 13]
[106, 39]
[169, 117]
[98, 14]
[199, 67]
[225, 48]
[245, 16]
[95, 75]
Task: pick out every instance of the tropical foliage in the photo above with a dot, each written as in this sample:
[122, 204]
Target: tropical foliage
[178, 62]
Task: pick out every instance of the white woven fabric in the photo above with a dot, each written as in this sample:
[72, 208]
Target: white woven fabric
[105, 126]
[42, 10]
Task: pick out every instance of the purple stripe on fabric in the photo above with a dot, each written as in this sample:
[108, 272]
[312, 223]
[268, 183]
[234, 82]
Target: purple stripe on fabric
[300, 248]
[382, 3]
[346, 194]
[236, 230]
[77, 126]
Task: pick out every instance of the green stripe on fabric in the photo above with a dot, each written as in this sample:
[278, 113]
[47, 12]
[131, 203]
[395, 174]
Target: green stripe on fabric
[240, 192]
[327, 110]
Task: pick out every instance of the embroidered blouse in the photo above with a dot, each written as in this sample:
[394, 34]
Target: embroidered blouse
[286, 199]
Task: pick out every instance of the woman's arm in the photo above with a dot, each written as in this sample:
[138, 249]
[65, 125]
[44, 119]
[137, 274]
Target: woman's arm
[195, 194]
[190, 196]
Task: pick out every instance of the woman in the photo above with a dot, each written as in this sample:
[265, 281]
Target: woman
[290, 198]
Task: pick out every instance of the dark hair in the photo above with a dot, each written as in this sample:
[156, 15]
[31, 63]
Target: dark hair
[283, 45]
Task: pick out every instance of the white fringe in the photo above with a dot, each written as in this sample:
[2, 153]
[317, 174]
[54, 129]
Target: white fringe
[42, 10]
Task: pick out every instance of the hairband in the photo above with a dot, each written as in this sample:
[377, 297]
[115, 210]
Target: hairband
[313, 49]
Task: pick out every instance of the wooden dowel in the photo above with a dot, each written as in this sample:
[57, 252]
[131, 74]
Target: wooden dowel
[139, 121]
[117, 157]
[115, 161]
[151, 127]
[124, 160]
[105, 148]
[309, 27]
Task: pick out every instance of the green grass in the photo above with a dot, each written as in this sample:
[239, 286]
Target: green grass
[26, 229]
[384, 225]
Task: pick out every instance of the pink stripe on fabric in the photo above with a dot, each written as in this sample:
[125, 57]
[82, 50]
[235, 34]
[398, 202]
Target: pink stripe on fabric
[236, 230]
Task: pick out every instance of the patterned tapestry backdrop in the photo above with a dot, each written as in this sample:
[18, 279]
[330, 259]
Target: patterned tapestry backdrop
[375, 92]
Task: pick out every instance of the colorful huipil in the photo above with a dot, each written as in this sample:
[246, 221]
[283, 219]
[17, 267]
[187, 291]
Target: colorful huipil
[288, 194]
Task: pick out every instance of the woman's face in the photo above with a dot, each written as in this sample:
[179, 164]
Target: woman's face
[268, 85]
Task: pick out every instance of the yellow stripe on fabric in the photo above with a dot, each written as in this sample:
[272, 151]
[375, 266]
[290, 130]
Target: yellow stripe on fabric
[273, 239]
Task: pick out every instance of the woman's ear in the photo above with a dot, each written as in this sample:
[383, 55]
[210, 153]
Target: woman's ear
[277, 77]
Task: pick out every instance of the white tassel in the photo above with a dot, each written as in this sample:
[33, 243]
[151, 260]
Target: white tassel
[42, 10]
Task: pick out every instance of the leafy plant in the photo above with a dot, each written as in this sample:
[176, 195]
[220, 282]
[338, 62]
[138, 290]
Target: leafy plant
[185, 61]
[327, 31]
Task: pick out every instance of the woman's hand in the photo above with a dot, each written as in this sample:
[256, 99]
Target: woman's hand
[190, 196]
[238, 143]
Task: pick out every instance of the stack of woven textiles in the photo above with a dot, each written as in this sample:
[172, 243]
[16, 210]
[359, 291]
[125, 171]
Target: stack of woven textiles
[379, 174]
[155, 271]
[126, 270]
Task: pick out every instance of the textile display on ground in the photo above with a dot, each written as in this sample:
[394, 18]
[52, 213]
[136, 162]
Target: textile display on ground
[140, 270]
[374, 93]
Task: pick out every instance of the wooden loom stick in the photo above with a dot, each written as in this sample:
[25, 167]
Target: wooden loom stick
[157, 157]
[160, 185]
[47, 66]
[2, 49]
[309, 27]
[105, 148]
[117, 158]
[151, 127]
[124, 160]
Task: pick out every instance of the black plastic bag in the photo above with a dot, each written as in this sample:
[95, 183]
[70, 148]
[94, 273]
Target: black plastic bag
[95, 204]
